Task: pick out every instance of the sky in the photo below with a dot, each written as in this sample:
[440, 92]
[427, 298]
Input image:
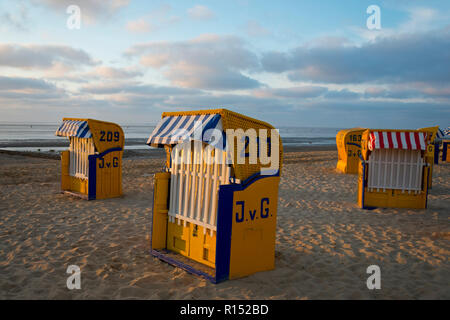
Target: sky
[291, 63]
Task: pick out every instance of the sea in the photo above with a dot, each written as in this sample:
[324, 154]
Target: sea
[41, 136]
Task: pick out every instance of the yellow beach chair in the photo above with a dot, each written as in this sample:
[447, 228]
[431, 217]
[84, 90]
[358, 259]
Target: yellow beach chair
[92, 167]
[442, 139]
[215, 207]
[348, 144]
[395, 169]
[431, 155]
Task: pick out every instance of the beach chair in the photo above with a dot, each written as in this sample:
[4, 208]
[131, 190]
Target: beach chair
[394, 169]
[215, 206]
[446, 150]
[430, 156]
[92, 167]
[348, 144]
[442, 140]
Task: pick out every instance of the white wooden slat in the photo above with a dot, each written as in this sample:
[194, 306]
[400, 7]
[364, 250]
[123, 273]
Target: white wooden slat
[215, 188]
[420, 169]
[180, 186]
[207, 194]
[397, 184]
[194, 178]
[195, 186]
[79, 151]
[199, 209]
[173, 182]
[395, 169]
[411, 159]
[391, 175]
[384, 169]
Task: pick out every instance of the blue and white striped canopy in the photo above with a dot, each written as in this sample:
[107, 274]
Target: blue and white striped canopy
[175, 129]
[73, 128]
[443, 133]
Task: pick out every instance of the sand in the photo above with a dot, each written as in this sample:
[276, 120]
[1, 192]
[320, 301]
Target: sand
[324, 241]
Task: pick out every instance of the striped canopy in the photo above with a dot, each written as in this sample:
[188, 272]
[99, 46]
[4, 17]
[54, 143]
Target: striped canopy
[397, 140]
[175, 129]
[73, 128]
[443, 133]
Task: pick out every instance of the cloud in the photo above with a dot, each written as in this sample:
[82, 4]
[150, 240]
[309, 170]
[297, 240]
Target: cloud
[140, 26]
[42, 56]
[103, 72]
[254, 29]
[91, 11]
[410, 91]
[293, 92]
[19, 83]
[16, 21]
[155, 20]
[200, 12]
[206, 62]
[19, 88]
[136, 88]
[401, 58]
[343, 94]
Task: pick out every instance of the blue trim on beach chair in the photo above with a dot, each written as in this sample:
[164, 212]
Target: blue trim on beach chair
[444, 150]
[92, 182]
[436, 153]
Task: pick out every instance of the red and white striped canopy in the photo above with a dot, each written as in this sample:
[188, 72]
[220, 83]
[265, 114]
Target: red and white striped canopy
[397, 140]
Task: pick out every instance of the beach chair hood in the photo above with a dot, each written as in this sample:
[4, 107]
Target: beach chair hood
[174, 129]
[74, 128]
[443, 134]
[397, 140]
[105, 135]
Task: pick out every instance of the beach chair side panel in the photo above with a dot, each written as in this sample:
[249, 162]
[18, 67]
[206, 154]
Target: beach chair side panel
[349, 150]
[160, 210]
[254, 217]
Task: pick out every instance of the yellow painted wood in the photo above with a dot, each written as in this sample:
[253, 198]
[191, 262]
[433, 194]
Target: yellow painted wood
[191, 241]
[178, 237]
[349, 148]
[65, 177]
[202, 246]
[99, 130]
[429, 156]
[431, 132]
[77, 185]
[448, 150]
[253, 241]
[160, 209]
[109, 182]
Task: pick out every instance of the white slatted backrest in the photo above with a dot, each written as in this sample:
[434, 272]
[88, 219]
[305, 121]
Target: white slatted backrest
[395, 169]
[79, 151]
[194, 184]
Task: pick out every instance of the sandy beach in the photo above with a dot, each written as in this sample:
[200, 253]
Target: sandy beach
[324, 241]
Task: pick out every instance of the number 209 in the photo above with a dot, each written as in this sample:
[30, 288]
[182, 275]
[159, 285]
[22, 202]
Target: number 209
[109, 136]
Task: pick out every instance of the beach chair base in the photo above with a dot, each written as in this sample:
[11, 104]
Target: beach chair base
[245, 240]
[186, 264]
[76, 194]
